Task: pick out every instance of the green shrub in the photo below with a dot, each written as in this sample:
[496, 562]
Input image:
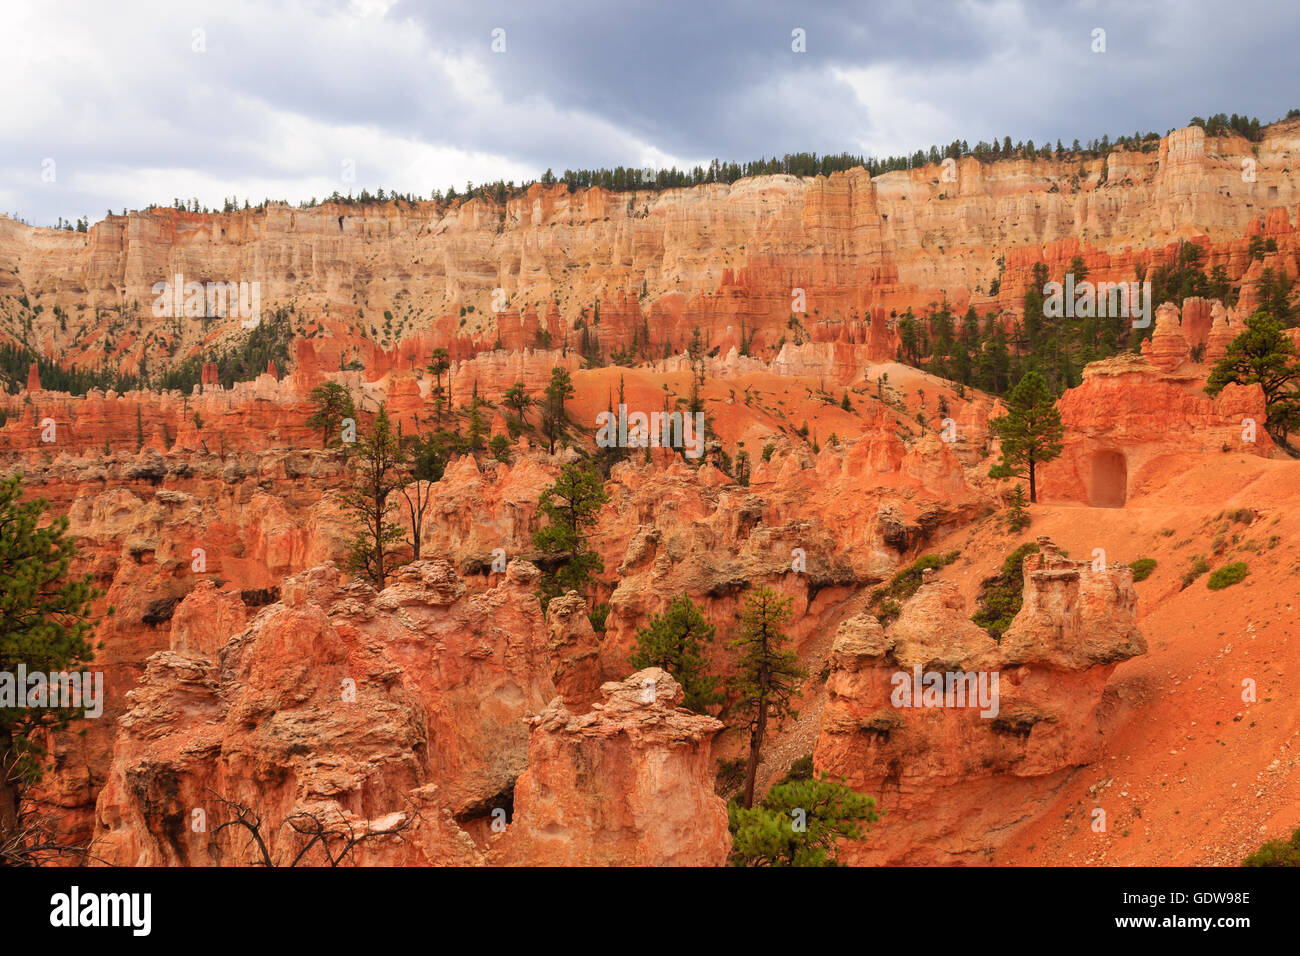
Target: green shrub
[1018, 511]
[1199, 567]
[906, 582]
[597, 616]
[800, 823]
[888, 610]
[767, 451]
[801, 769]
[499, 446]
[1227, 576]
[1002, 595]
[1276, 853]
[1142, 568]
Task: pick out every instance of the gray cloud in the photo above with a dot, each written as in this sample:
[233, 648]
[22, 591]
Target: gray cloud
[413, 94]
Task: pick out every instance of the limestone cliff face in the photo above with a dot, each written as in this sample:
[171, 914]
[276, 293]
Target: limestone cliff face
[385, 282]
[946, 769]
[630, 782]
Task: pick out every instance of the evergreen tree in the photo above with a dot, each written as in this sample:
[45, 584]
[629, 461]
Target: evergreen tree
[675, 641]
[1017, 513]
[800, 823]
[1264, 355]
[333, 403]
[440, 365]
[571, 506]
[909, 338]
[517, 399]
[46, 623]
[379, 470]
[767, 674]
[554, 418]
[742, 468]
[478, 426]
[1031, 431]
[993, 362]
[1274, 290]
[1033, 304]
[424, 461]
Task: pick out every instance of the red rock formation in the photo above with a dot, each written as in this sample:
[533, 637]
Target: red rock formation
[1197, 319]
[575, 651]
[946, 772]
[1128, 415]
[628, 783]
[725, 259]
[337, 700]
[1221, 334]
[149, 478]
[1167, 348]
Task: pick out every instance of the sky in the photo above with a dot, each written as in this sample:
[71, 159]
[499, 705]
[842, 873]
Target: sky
[117, 105]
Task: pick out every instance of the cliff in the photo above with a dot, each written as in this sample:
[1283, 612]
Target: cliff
[957, 775]
[385, 283]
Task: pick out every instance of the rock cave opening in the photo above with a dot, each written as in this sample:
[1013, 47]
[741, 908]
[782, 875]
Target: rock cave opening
[1109, 480]
[491, 815]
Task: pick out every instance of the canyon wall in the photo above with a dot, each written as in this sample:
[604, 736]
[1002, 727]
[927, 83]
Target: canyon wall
[383, 284]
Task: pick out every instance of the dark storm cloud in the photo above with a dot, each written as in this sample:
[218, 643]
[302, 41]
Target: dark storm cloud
[282, 97]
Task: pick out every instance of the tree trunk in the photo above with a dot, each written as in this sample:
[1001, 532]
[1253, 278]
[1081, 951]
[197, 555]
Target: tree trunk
[379, 543]
[755, 747]
[1033, 489]
[8, 795]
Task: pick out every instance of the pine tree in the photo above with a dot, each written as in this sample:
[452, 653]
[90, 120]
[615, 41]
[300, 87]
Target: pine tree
[516, 398]
[46, 623]
[571, 506]
[1264, 355]
[477, 425]
[554, 418]
[424, 460]
[1031, 432]
[1033, 304]
[767, 674]
[800, 823]
[439, 365]
[333, 403]
[675, 641]
[379, 470]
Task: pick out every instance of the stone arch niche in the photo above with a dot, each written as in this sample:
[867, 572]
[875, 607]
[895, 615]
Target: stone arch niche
[1109, 485]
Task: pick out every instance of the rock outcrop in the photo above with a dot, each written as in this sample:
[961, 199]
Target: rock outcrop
[1006, 722]
[630, 782]
[1130, 415]
[337, 702]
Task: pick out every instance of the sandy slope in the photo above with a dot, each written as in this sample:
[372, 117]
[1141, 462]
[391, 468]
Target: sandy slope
[1189, 774]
